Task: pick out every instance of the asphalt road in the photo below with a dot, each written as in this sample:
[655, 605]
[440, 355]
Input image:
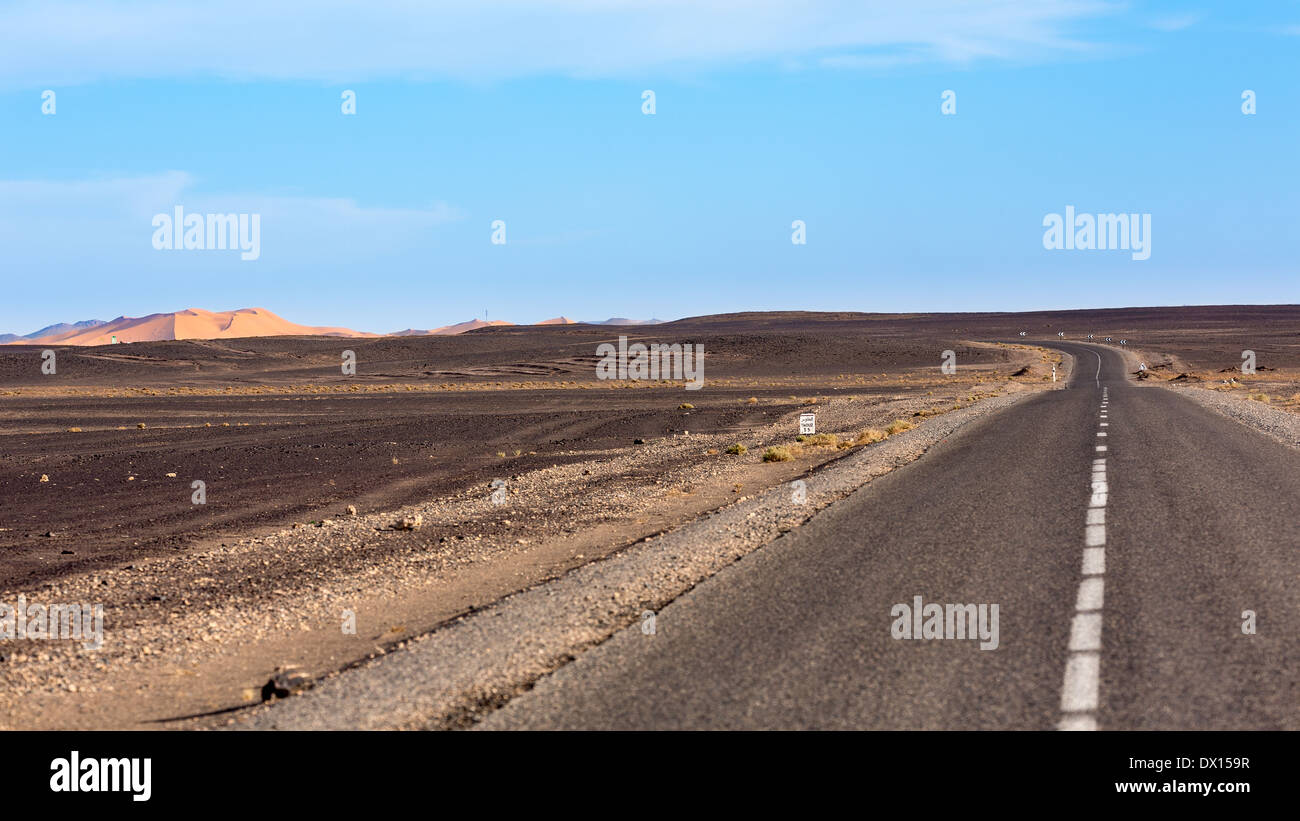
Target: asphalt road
[1120, 575]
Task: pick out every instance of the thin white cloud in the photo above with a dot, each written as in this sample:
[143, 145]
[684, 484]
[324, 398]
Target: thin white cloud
[47, 43]
[870, 61]
[51, 223]
[1177, 22]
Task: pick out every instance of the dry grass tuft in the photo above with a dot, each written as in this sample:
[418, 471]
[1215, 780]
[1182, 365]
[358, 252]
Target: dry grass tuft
[870, 436]
[819, 440]
[898, 426]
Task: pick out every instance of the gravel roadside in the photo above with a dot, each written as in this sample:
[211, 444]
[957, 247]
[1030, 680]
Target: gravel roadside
[449, 678]
[1272, 422]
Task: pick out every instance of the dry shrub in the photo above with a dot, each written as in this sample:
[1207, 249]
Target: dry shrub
[819, 440]
[898, 426]
[870, 436]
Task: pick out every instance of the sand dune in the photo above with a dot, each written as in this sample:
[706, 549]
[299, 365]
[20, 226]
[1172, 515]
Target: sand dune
[448, 330]
[619, 320]
[196, 323]
[192, 323]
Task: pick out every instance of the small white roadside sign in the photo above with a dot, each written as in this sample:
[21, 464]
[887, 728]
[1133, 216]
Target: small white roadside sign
[807, 424]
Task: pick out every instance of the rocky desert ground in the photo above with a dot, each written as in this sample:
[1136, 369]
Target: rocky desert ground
[450, 472]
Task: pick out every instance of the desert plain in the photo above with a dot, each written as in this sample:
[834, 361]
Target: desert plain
[449, 472]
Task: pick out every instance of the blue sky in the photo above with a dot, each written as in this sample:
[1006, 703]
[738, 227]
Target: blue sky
[530, 112]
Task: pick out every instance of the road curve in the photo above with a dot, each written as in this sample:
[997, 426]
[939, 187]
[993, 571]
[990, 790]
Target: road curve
[1123, 531]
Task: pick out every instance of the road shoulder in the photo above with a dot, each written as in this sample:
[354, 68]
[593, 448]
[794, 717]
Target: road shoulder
[450, 678]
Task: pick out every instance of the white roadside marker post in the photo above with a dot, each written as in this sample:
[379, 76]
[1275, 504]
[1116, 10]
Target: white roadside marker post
[807, 424]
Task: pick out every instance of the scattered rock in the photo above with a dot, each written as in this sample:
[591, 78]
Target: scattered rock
[44, 478]
[352, 510]
[285, 682]
[409, 522]
[638, 441]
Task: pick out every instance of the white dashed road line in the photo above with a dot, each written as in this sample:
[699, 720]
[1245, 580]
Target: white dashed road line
[1081, 691]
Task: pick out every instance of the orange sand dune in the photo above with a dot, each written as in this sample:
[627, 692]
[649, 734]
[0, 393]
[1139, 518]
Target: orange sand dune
[192, 323]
